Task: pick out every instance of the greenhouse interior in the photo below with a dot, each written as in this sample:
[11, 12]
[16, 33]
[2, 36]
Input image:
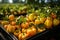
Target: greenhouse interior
[29, 19]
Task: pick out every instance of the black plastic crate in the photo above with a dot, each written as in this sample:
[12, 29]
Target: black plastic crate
[48, 34]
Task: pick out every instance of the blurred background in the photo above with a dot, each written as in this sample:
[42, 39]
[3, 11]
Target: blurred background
[40, 2]
[29, 1]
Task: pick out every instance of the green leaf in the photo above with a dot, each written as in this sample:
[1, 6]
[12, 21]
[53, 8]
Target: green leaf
[19, 21]
[24, 20]
[42, 15]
